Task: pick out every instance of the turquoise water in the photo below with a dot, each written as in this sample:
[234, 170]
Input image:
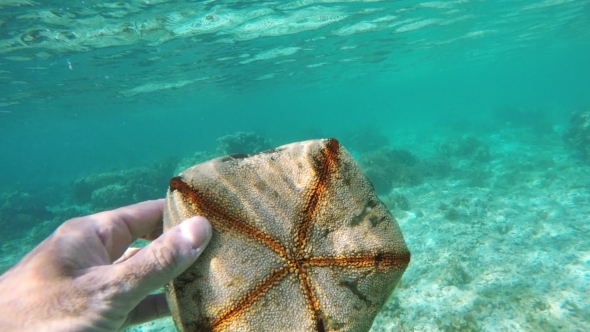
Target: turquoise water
[129, 92]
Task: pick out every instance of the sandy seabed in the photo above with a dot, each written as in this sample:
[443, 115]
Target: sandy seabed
[514, 256]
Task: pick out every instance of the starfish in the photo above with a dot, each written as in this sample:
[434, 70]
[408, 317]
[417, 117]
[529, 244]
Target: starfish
[301, 242]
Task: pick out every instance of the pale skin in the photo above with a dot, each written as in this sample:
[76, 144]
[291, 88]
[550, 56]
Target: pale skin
[85, 277]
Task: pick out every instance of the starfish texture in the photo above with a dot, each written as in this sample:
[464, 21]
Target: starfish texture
[301, 242]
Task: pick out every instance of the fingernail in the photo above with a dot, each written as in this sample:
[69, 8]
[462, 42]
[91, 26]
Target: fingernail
[197, 230]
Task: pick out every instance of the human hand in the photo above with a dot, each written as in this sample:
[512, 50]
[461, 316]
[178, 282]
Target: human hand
[85, 278]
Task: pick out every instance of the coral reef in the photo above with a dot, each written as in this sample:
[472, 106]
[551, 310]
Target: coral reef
[197, 158]
[477, 178]
[452, 214]
[536, 120]
[438, 167]
[33, 204]
[397, 201]
[455, 274]
[390, 168]
[242, 143]
[23, 210]
[27, 216]
[466, 147]
[520, 174]
[365, 139]
[462, 208]
[114, 189]
[577, 135]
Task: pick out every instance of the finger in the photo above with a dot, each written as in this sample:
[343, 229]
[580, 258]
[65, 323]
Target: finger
[165, 258]
[118, 228]
[141, 218]
[151, 308]
[130, 252]
[98, 239]
[154, 234]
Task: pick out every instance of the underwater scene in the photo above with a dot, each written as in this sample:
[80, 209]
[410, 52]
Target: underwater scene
[471, 119]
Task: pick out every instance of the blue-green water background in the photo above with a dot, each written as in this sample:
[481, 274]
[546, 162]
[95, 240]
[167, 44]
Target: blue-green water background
[530, 56]
[73, 135]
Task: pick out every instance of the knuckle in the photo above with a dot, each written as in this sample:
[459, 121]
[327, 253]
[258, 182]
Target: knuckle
[69, 226]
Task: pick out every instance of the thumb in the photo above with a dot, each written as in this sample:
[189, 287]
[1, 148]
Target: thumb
[166, 257]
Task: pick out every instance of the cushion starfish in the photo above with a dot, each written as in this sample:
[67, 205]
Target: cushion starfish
[301, 242]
